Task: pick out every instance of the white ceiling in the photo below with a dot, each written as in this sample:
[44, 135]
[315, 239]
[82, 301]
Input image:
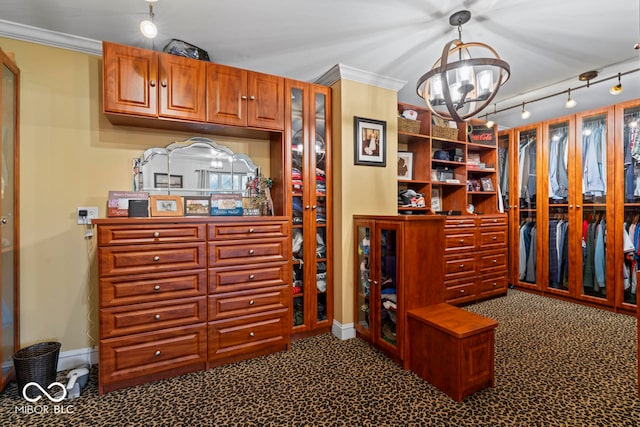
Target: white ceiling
[547, 43]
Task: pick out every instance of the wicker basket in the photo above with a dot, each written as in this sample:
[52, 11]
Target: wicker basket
[409, 126]
[36, 363]
[444, 132]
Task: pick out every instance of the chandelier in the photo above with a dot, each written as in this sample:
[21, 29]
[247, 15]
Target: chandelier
[462, 83]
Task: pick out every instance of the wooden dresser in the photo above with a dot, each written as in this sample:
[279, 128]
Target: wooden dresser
[179, 295]
[475, 258]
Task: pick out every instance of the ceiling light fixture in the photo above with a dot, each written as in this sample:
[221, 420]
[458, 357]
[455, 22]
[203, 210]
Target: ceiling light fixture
[460, 89]
[147, 27]
[525, 114]
[616, 89]
[570, 101]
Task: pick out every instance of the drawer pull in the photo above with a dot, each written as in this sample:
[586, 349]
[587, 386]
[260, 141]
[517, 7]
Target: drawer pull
[251, 277]
[495, 237]
[157, 353]
[495, 261]
[461, 240]
[156, 234]
[252, 302]
[494, 284]
[156, 288]
[462, 291]
[250, 251]
[157, 317]
[251, 334]
[251, 230]
[156, 258]
[461, 266]
[495, 220]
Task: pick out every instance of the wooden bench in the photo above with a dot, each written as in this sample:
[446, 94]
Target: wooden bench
[452, 348]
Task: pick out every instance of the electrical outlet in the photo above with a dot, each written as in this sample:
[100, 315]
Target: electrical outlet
[85, 215]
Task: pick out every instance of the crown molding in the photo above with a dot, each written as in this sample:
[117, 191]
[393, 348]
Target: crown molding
[17, 31]
[345, 72]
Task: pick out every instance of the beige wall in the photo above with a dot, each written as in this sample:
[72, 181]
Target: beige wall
[71, 156]
[358, 189]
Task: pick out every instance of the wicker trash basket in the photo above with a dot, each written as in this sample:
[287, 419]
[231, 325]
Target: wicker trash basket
[36, 363]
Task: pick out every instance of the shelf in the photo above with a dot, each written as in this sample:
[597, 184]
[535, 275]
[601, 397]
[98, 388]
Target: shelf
[413, 181]
[408, 138]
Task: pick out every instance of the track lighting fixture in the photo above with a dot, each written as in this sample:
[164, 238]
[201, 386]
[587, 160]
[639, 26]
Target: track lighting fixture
[525, 114]
[616, 89]
[570, 101]
[147, 27]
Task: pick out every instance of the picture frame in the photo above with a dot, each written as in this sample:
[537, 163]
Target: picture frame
[405, 165]
[436, 199]
[163, 180]
[197, 205]
[487, 185]
[370, 142]
[164, 205]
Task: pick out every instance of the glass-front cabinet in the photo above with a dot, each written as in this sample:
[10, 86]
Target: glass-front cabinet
[308, 132]
[9, 308]
[627, 202]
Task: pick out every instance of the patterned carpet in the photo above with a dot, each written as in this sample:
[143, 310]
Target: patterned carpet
[557, 364]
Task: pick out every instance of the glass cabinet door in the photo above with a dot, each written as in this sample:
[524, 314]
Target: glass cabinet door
[558, 141]
[627, 120]
[386, 284]
[363, 278]
[298, 219]
[592, 192]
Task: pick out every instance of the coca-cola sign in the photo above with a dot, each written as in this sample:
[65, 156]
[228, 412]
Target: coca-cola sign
[481, 134]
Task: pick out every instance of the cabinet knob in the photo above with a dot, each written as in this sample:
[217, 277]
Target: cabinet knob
[157, 317]
[375, 282]
[152, 83]
[461, 266]
[251, 277]
[4, 220]
[156, 288]
[462, 291]
[461, 240]
[251, 334]
[252, 302]
[251, 230]
[250, 251]
[156, 234]
[157, 353]
[495, 220]
[495, 237]
[163, 83]
[571, 206]
[307, 207]
[577, 206]
[494, 284]
[244, 97]
[156, 258]
[252, 97]
[495, 261]
[313, 207]
[369, 280]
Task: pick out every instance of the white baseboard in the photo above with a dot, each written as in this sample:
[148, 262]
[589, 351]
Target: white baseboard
[75, 358]
[344, 332]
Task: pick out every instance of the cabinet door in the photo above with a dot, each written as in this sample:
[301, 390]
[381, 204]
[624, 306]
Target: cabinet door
[9, 307]
[363, 279]
[181, 82]
[593, 207]
[627, 202]
[265, 106]
[525, 174]
[554, 230]
[130, 80]
[226, 95]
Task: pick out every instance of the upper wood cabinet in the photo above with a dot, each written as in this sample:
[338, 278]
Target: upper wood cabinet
[148, 83]
[244, 98]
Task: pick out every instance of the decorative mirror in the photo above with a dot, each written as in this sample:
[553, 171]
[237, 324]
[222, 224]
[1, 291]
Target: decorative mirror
[195, 167]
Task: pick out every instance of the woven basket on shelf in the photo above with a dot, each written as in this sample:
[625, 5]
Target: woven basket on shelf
[409, 126]
[444, 132]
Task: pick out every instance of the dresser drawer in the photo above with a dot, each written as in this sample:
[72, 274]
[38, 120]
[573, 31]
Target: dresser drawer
[493, 238]
[234, 304]
[121, 260]
[493, 261]
[248, 252]
[459, 241]
[493, 284]
[248, 334]
[152, 352]
[146, 317]
[493, 221]
[460, 293]
[229, 279]
[458, 222]
[459, 266]
[248, 231]
[152, 287]
[137, 234]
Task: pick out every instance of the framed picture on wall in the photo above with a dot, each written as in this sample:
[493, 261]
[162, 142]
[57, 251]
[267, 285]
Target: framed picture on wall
[405, 165]
[370, 144]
